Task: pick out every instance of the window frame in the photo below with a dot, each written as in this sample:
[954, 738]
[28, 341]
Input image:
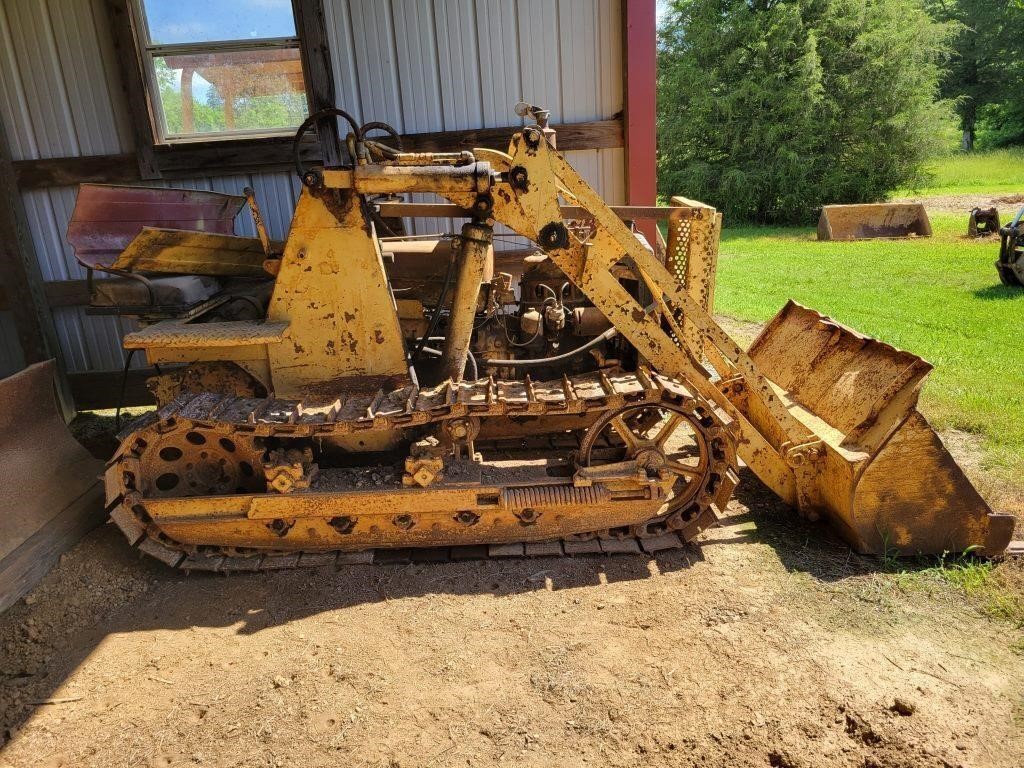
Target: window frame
[147, 52]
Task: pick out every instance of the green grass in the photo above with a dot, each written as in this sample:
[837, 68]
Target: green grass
[995, 172]
[939, 298]
[983, 582]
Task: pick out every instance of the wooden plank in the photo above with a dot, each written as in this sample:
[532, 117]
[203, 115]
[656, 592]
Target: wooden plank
[66, 293]
[23, 283]
[58, 293]
[319, 75]
[225, 157]
[600, 134]
[69, 171]
[23, 568]
[61, 293]
[140, 106]
[175, 161]
[19, 270]
[98, 390]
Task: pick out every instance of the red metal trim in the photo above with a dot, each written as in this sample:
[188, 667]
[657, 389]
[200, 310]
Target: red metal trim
[640, 57]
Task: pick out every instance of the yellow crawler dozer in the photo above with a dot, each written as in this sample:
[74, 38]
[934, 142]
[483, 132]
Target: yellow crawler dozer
[356, 389]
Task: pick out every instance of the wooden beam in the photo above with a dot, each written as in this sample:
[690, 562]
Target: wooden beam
[58, 293]
[599, 134]
[70, 171]
[22, 281]
[319, 75]
[19, 269]
[207, 158]
[66, 293]
[141, 111]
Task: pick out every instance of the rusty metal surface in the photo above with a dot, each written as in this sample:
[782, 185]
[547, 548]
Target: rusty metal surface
[43, 469]
[108, 217]
[691, 257]
[873, 220]
[859, 386]
[1010, 264]
[227, 378]
[188, 480]
[44, 473]
[187, 252]
[474, 249]
[886, 481]
[823, 413]
[983, 221]
[797, 452]
[333, 292]
[624, 212]
[175, 334]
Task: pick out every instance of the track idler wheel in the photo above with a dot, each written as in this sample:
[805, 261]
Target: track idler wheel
[685, 441]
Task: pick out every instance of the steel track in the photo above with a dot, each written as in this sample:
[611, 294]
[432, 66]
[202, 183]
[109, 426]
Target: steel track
[247, 418]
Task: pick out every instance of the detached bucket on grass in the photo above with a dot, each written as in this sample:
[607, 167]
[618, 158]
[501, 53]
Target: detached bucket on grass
[885, 480]
[875, 220]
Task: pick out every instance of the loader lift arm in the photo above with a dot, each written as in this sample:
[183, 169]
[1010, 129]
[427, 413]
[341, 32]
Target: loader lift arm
[827, 417]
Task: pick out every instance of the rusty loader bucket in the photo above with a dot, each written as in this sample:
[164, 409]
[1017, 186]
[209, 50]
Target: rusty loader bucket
[880, 473]
[876, 220]
[828, 417]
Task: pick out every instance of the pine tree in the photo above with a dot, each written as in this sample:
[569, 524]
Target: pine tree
[769, 109]
[985, 77]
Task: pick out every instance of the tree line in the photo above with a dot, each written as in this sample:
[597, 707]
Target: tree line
[768, 109]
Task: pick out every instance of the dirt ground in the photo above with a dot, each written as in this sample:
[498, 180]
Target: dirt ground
[765, 643]
[1008, 204]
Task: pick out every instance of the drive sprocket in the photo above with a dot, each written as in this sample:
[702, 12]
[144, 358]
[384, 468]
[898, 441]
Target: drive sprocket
[193, 460]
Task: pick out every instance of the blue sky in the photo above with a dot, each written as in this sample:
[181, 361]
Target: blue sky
[191, 21]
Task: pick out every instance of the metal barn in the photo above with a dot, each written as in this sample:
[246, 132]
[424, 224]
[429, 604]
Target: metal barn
[79, 103]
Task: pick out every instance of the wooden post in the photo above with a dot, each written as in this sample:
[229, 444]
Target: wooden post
[314, 45]
[140, 107]
[188, 105]
[22, 281]
[640, 57]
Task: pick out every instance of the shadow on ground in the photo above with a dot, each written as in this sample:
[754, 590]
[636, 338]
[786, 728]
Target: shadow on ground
[999, 292]
[103, 587]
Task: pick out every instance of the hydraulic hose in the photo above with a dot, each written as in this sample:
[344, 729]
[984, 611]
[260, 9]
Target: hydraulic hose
[435, 319]
[470, 359]
[538, 361]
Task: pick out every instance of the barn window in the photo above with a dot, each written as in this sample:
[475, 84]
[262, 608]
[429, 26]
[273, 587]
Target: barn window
[219, 69]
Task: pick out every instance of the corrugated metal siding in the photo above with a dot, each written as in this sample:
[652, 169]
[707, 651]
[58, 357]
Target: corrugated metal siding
[442, 65]
[422, 65]
[58, 68]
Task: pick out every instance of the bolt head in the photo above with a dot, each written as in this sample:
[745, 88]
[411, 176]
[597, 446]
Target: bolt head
[423, 477]
[405, 522]
[281, 483]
